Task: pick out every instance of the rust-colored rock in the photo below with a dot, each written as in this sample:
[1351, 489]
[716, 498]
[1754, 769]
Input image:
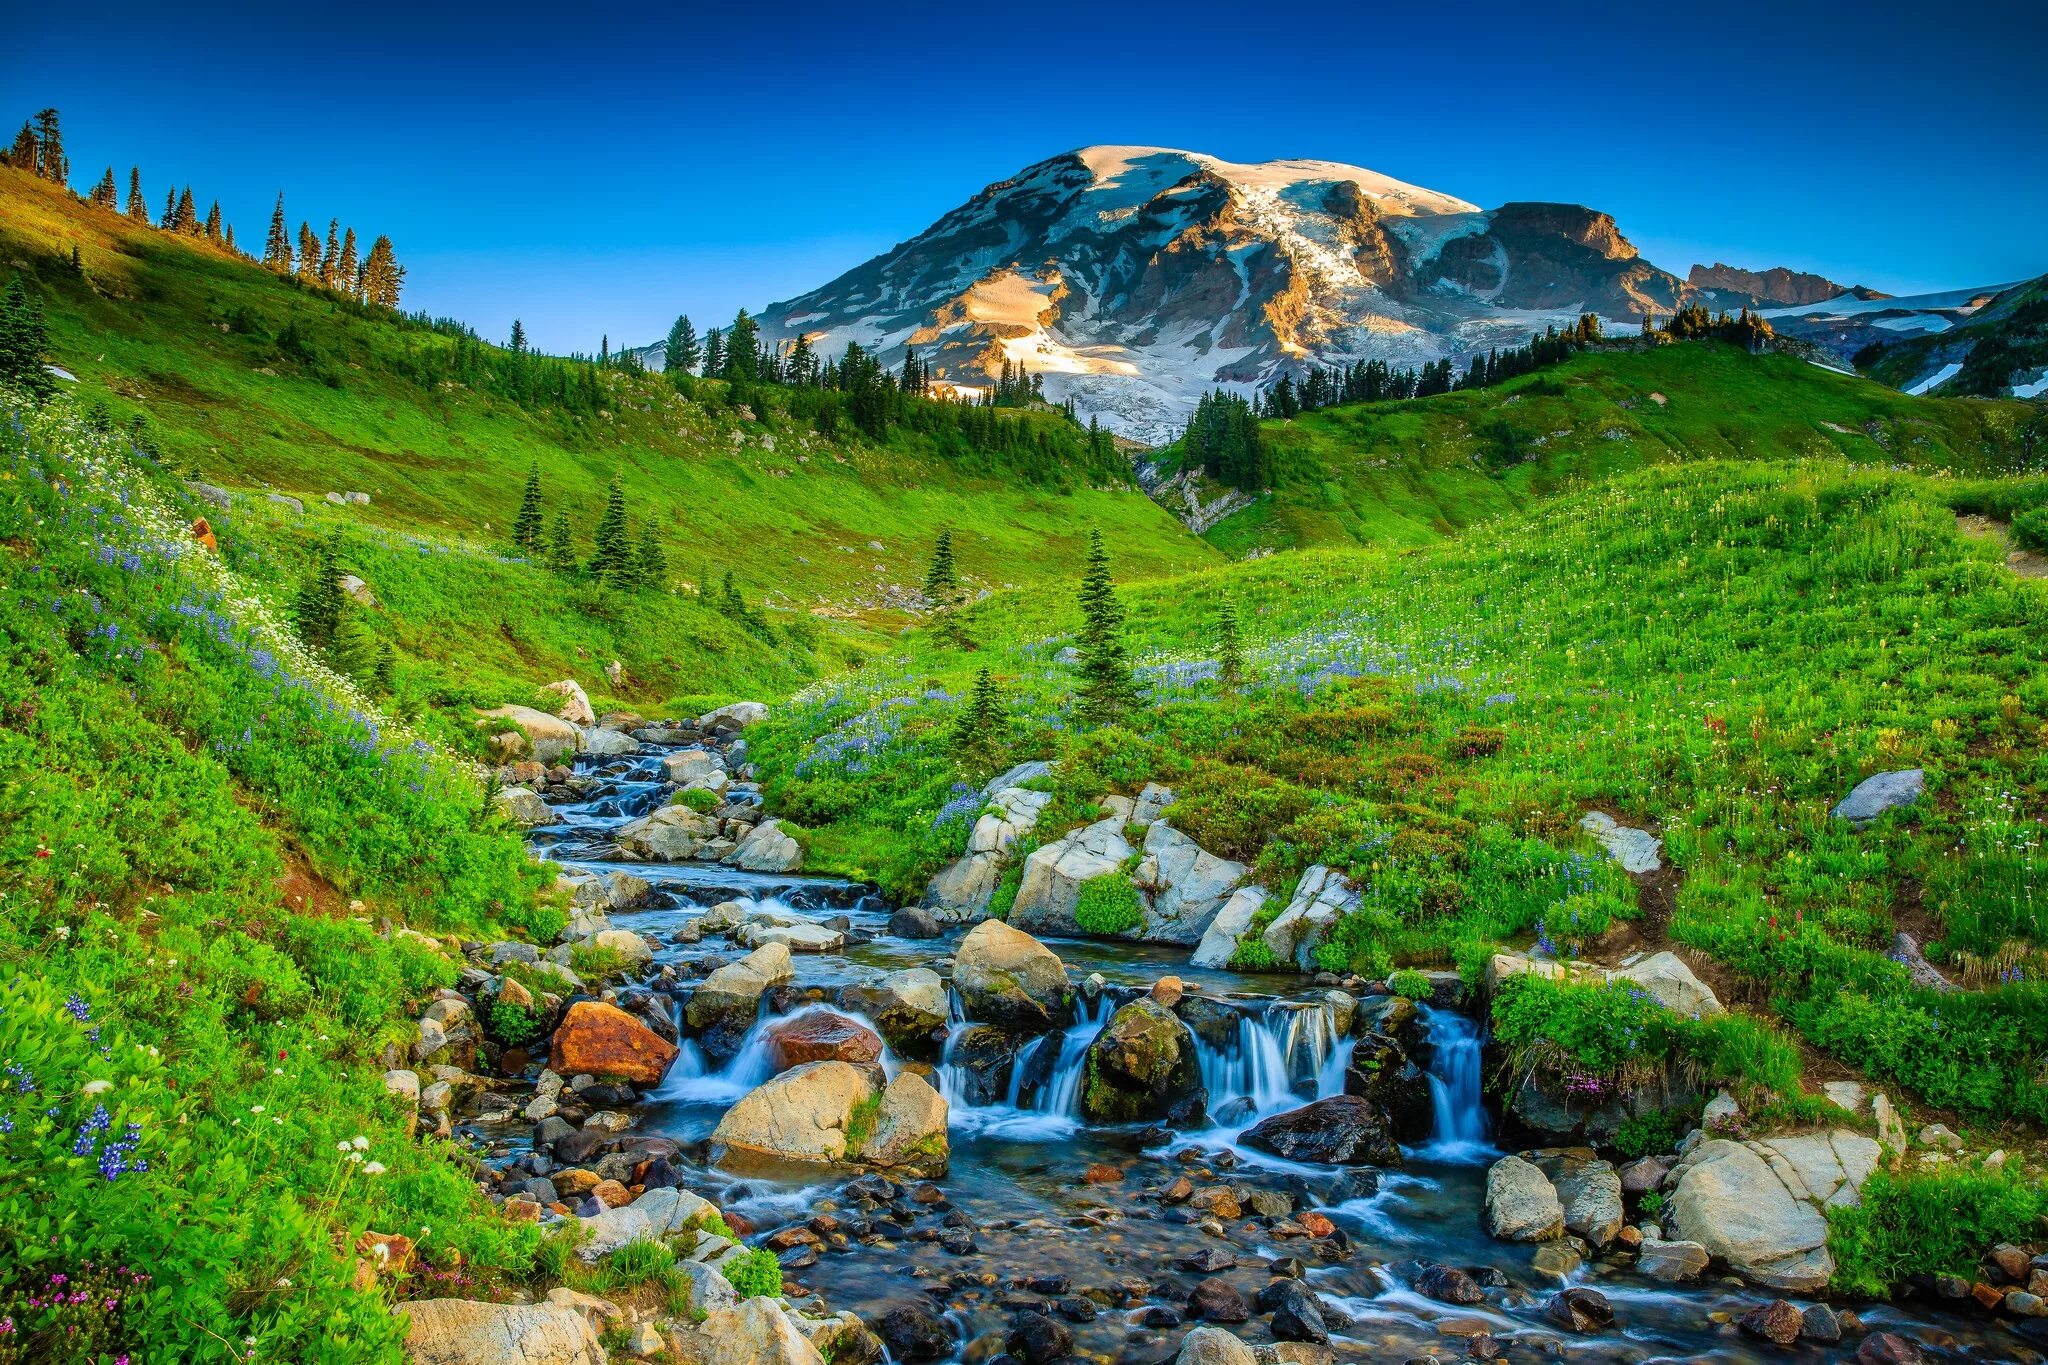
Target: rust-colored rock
[522, 1211]
[822, 1036]
[611, 1194]
[1315, 1224]
[1179, 1191]
[388, 1253]
[1099, 1174]
[576, 1181]
[202, 531]
[1988, 1297]
[602, 1040]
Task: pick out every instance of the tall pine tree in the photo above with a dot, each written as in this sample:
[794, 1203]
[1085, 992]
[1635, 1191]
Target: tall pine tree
[383, 276]
[277, 247]
[681, 354]
[51, 163]
[561, 544]
[138, 207]
[981, 731]
[526, 526]
[318, 605]
[1107, 689]
[104, 195]
[612, 562]
[941, 579]
[24, 341]
[1229, 651]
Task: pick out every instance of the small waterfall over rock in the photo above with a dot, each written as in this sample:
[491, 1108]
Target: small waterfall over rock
[1281, 1058]
[1454, 1084]
[1038, 1100]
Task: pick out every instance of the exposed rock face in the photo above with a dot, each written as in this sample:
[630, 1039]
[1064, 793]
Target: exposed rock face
[822, 1036]
[1672, 984]
[575, 705]
[1878, 793]
[757, 1332]
[1555, 256]
[768, 848]
[800, 1115]
[1054, 874]
[603, 1040]
[1729, 1201]
[1637, 850]
[671, 834]
[548, 739]
[1185, 886]
[1521, 1203]
[1220, 940]
[524, 808]
[970, 880]
[1007, 977]
[1141, 1066]
[1776, 285]
[461, 1332]
[1343, 1130]
[1321, 898]
[695, 769]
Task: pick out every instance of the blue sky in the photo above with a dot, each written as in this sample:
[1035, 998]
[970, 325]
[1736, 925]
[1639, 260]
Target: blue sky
[594, 171]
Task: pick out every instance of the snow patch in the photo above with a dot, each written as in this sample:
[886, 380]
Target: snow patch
[1937, 379]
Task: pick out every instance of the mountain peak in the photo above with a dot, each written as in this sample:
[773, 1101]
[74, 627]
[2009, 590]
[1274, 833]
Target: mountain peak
[1159, 168]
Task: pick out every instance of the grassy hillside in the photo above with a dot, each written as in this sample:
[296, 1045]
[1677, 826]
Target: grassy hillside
[258, 385]
[1712, 649]
[1406, 473]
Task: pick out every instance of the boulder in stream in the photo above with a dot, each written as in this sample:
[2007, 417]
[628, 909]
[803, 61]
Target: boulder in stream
[801, 1115]
[1141, 1066]
[819, 1035]
[1342, 1130]
[729, 1001]
[669, 835]
[1588, 1189]
[1521, 1203]
[1730, 1201]
[768, 847]
[908, 1007]
[1007, 977]
[602, 1040]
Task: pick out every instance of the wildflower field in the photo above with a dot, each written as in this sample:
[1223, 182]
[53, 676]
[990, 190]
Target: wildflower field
[1716, 650]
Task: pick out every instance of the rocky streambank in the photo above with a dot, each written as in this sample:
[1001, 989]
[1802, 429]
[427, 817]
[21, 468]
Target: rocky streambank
[859, 1128]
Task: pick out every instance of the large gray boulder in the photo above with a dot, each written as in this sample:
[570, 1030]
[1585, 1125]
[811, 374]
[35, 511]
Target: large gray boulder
[654, 1216]
[1878, 793]
[729, 1001]
[1053, 875]
[910, 1127]
[1007, 977]
[1589, 1190]
[1521, 1203]
[603, 742]
[767, 848]
[1730, 1201]
[1321, 898]
[908, 1008]
[1637, 850]
[1184, 885]
[757, 1332]
[694, 770]
[549, 739]
[969, 881]
[1213, 1346]
[1672, 984]
[671, 834]
[523, 807]
[575, 706]
[737, 715]
[464, 1332]
[1220, 939]
[801, 1115]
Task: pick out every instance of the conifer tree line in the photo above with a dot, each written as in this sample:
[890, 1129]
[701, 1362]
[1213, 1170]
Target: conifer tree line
[1223, 439]
[338, 263]
[24, 342]
[1694, 323]
[619, 559]
[856, 390]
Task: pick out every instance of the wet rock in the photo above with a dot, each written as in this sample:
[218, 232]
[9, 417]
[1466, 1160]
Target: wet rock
[1878, 793]
[603, 1040]
[1521, 1203]
[461, 1332]
[1886, 1348]
[1213, 1346]
[1158, 1316]
[1580, 1310]
[1039, 1340]
[767, 848]
[822, 1036]
[1645, 1174]
[1217, 1300]
[801, 1115]
[1822, 1324]
[1009, 978]
[1382, 1072]
[1141, 1066]
[1220, 940]
[1340, 1130]
[844, 1339]
[909, 1007]
[729, 1001]
[910, 1127]
[1776, 1321]
[1671, 1262]
[981, 1057]
[915, 922]
[1074, 1308]
[1448, 1284]
[1207, 1261]
[1589, 1190]
[1297, 1313]
[669, 835]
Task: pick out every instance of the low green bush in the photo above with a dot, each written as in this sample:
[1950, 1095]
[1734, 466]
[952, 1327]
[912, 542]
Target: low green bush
[1934, 1222]
[1108, 906]
[1411, 984]
[698, 799]
[755, 1274]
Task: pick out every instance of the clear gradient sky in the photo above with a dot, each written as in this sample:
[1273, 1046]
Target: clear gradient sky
[594, 169]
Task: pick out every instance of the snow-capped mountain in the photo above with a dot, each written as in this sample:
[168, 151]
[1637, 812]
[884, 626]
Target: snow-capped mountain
[1137, 278]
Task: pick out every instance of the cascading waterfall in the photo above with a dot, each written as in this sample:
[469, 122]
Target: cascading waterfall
[1280, 1059]
[1053, 1109]
[1454, 1085]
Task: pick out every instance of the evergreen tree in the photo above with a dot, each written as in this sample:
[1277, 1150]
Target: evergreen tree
[941, 579]
[517, 345]
[561, 544]
[104, 195]
[185, 218]
[277, 247]
[330, 256]
[742, 349]
[383, 277]
[77, 261]
[308, 269]
[51, 163]
[526, 526]
[349, 270]
[612, 563]
[1229, 652]
[682, 353]
[384, 671]
[318, 605]
[26, 155]
[24, 342]
[170, 218]
[652, 565]
[138, 207]
[1107, 689]
[714, 354]
[213, 232]
[979, 733]
[228, 240]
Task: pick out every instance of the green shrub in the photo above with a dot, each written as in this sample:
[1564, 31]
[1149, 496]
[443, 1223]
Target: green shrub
[1937, 1222]
[514, 1025]
[1411, 984]
[699, 799]
[1652, 1133]
[1652, 1203]
[1232, 810]
[2030, 529]
[1108, 906]
[755, 1274]
[595, 963]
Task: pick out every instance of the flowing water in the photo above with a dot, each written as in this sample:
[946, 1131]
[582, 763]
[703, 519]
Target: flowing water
[1019, 1156]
